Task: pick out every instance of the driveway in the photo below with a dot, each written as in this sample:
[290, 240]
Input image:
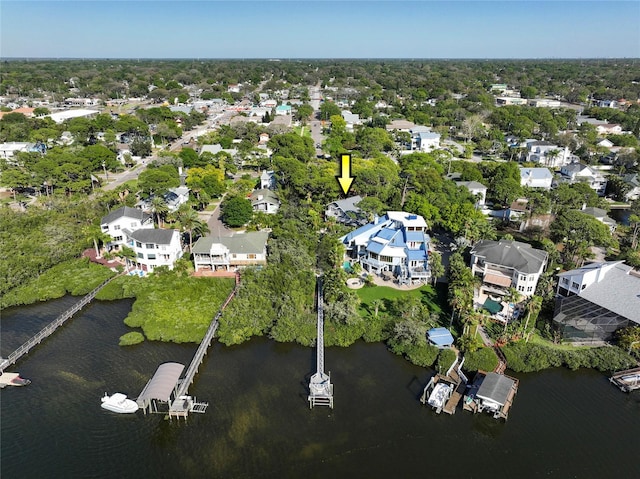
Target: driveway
[217, 229]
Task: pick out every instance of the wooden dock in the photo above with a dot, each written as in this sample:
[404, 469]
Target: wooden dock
[628, 380]
[50, 328]
[454, 377]
[184, 404]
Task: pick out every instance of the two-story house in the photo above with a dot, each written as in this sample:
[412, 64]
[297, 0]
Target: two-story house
[548, 154]
[115, 223]
[230, 253]
[536, 178]
[478, 190]
[596, 300]
[154, 247]
[577, 172]
[345, 211]
[265, 200]
[507, 264]
[423, 139]
[395, 244]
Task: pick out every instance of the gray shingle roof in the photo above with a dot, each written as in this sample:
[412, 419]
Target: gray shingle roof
[348, 204]
[618, 291]
[246, 243]
[495, 387]
[155, 236]
[512, 254]
[125, 211]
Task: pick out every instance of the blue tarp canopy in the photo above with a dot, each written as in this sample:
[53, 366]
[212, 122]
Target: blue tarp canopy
[441, 337]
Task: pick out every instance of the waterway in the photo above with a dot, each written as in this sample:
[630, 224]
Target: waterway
[259, 425]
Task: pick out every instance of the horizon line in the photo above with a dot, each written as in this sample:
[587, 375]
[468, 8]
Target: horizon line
[278, 59]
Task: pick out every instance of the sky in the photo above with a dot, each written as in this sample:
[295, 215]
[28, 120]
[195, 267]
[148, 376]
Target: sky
[319, 29]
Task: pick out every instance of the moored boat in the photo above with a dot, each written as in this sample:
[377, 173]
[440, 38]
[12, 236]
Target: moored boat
[118, 403]
[13, 379]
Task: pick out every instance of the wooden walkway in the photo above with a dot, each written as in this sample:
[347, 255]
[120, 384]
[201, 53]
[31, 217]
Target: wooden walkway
[50, 328]
[320, 387]
[178, 406]
[456, 378]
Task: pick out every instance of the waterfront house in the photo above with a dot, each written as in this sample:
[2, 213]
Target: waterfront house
[154, 247]
[345, 211]
[115, 223]
[395, 244]
[507, 264]
[492, 393]
[230, 253]
[594, 301]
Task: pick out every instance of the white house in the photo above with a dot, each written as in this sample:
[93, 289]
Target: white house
[267, 180]
[633, 180]
[115, 223]
[478, 190]
[536, 177]
[596, 300]
[62, 116]
[544, 103]
[172, 198]
[395, 244]
[548, 154]
[609, 129]
[234, 87]
[601, 216]
[423, 139]
[351, 119]
[265, 200]
[283, 110]
[577, 172]
[507, 264]
[8, 150]
[154, 247]
[230, 253]
[269, 103]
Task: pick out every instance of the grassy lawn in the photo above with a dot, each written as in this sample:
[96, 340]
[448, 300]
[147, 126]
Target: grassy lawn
[302, 131]
[537, 339]
[434, 298]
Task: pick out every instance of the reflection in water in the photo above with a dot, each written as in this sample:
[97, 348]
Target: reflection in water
[259, 424]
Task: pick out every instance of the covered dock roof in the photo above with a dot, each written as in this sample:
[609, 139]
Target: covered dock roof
[162, 384]
[495, 387]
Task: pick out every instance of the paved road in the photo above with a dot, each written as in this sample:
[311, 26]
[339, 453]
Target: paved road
[315, 125]
[216, 228]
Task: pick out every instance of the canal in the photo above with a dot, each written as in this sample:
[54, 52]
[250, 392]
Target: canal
[258, 425]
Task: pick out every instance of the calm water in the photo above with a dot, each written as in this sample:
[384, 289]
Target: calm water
[563, 424]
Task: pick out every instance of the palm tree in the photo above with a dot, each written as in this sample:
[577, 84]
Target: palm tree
[377, 304]
[534, 305]
[159, 207]
[95, 234]
[190, 221]
[512, 297]
[551, 156]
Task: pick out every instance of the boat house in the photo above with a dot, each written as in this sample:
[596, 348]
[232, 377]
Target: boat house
[493, 393]
[161, 389]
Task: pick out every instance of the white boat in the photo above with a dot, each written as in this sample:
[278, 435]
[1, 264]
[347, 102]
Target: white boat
[119, 403]
[439, 396]
[13, 379]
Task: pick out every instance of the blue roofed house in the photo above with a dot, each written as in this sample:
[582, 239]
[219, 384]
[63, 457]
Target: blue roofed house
[396, 243]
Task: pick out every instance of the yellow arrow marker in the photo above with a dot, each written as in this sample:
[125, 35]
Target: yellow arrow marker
[345, 179]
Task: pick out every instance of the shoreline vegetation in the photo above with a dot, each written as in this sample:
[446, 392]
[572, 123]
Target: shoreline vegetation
[173, 306]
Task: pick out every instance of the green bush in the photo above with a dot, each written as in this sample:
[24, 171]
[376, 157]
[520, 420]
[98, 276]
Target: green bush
[527, 357]
[76, 277]
[419, 354]
[129, 339]
[446, 357]
[484, 359]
